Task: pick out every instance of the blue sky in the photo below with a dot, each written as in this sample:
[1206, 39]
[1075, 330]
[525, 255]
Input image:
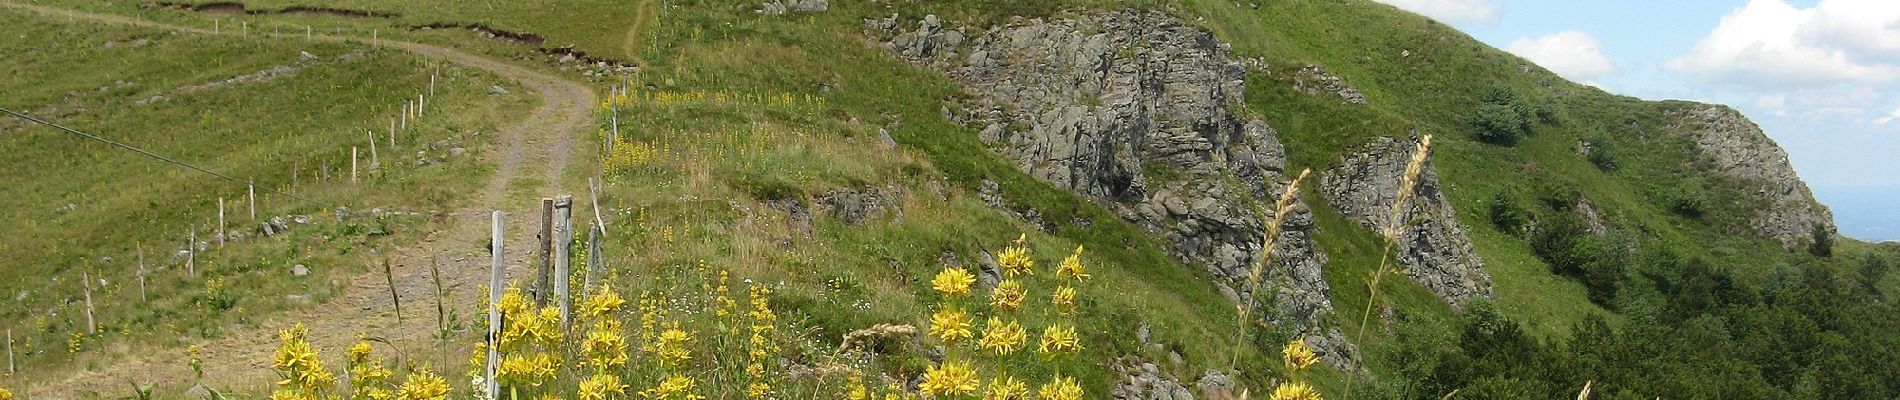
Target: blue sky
[1821, 77]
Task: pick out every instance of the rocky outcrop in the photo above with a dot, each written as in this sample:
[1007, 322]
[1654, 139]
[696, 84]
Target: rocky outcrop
[1314, 80]
[1431, 244]
[1132, 109]
[1145, 381]
[1738, 149]
[854, 206]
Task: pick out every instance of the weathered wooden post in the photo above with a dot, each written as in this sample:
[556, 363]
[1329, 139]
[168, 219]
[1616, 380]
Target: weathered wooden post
[92, 328]
[420, 101]
[306, 32]
[220, 222]
[563, 234]
[542, 288]
[250, 193]
[11, 369]
[593, 259]
[142, 273]
[494, 298]
[352, 164]
[191, 253]
[374, 160]
[593, 193]
[405, 116]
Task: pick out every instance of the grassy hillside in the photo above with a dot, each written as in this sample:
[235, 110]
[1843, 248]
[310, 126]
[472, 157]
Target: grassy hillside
[76, 206]
[737, 121]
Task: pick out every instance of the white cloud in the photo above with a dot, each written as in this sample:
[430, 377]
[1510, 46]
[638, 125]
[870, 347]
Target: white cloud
[1769, 44]
[1451, 11]
[1890, 117]
[1573, 54]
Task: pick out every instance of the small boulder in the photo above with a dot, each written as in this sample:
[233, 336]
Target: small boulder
[496, 91]
[299, 270]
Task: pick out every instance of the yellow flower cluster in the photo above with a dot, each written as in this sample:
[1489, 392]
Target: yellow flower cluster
[1297, 357]
[1002, 335]
[296, 362]
[423, 385]
[368, 376]
[528, 339]
[673, 387]
[1015, 259]
[5, 395]
[953, 282]
[631, 155]
[762, 344]
[949, 379]
[601, 387]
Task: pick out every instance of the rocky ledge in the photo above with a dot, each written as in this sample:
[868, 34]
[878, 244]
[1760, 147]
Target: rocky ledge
[1740, 150]
[1132, 109]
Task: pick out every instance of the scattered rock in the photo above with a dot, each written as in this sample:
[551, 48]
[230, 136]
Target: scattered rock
[1214, 382]
[1431, 244]
[1315, 80]
[496, 91]
[1144, 381]
[854, 206]
[299, 270]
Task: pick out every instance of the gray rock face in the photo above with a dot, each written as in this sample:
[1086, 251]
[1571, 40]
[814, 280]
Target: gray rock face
[1145, 381]
[1740, 150]
[1131, 109]
[853, 206]
[1431, 245]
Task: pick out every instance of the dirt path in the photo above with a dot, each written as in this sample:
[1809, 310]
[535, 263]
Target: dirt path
[643, 12]
[541, 142]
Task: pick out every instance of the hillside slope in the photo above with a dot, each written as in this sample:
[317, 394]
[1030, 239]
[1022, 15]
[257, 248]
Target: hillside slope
[842, 156]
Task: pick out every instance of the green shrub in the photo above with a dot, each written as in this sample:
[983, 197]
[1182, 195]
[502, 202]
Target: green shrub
[1498, 124]
[1505, 213]
[1558, 195]
[1823, 244]
[1600, 153]
[1687, 202]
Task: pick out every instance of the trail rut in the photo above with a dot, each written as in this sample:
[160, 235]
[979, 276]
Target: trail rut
[541, 142]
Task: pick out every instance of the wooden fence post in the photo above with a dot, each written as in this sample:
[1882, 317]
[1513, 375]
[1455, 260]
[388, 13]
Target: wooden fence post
[420, 102]
[405, 116]
[92, 328]
[494, 297]
[593, 259]
[593, 193]
[542, 288]
[352, 164]
[374, 161]
[142, 273]
[191, 253]
[220, 222]
[250, 192]
[563, 235]
[11, 369]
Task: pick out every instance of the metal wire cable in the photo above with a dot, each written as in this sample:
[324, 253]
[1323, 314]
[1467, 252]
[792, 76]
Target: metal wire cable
[157, 156]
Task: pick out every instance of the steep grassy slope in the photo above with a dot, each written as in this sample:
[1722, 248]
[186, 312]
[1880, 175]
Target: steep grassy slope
[243, 107]
[753, 143]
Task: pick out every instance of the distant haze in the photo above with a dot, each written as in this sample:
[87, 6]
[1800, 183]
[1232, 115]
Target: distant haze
[1868, 213]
